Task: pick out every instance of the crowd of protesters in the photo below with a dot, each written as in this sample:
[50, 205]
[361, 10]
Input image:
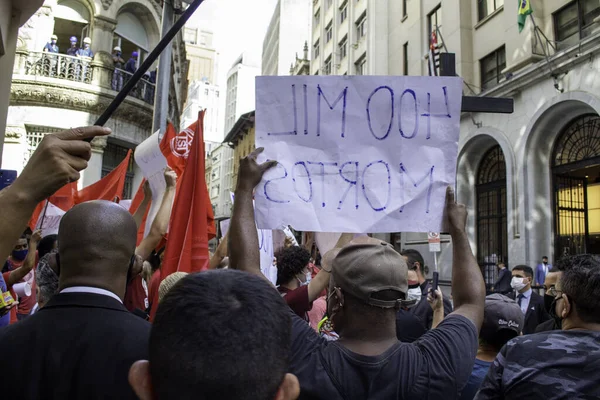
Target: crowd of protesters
[364, 323]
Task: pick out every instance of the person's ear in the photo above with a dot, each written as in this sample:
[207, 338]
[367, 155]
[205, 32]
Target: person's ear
[567, 306]
[289, 389]
[139, 379]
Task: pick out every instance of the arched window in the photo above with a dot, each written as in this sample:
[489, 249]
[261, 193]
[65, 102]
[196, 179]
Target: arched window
[71, 18]
[491, 212]
[131, 35]
[576, 179]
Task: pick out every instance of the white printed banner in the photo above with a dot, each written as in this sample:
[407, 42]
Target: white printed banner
[152, 163]
[356, 153]
[49, 220]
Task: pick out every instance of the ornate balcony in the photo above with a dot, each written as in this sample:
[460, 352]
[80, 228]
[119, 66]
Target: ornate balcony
[79, 83]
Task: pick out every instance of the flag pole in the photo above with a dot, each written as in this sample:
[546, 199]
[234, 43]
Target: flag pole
[44, 214]
[164, 42]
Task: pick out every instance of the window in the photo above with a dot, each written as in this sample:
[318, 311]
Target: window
[491, 68]
[112, 157]
[491, 214]
[434, 21]
[361, 65]
[574, 22]
[316, 49]
[343, 46]
[327, 67]
[404, 10]
[343, 12]
[34, 136]
[361, 27]
[317, 17]
[486, 7]
[405, 59]
[189, 35]
[329, 3]
[328, 33]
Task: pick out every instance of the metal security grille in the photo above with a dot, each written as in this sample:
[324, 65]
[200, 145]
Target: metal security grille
[34, 136]
[112, 157]
[576, 152]
[491, 214]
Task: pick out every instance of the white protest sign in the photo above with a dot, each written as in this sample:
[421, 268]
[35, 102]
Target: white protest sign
[356, 153]
[152, 163]
[51, 220]
[265, 245]
[224, 225]
[288, 233]
[126, 204]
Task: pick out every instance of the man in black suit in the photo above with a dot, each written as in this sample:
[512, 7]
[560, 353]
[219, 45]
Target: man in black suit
[422, 310]
[531, 303]
[83, 342]
[502, 284]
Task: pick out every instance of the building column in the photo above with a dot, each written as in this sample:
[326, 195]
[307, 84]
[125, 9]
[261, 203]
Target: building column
[14, 148]
[93, 172]
[102, 44]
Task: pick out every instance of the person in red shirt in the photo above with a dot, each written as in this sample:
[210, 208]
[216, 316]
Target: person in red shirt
[294, 280]
[19, 269]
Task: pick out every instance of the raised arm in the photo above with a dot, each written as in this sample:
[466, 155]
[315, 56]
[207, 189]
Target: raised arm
[321, 280]
[220, 253]
[161, 222]
[56, 162]
[245, 255]
[468, 288]
[17, 274]
[138, 216]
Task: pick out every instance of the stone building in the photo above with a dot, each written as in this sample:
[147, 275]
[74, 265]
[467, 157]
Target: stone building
[55, 91]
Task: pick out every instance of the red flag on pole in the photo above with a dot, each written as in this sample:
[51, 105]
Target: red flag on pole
[62, 199]
[135, 204]
[187, 247]
[176, 149]
[107, 188]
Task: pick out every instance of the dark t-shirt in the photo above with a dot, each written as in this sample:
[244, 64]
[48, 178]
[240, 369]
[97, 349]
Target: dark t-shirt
[480, 370]
[546, 366]
[408, 327]
[297, 299]
[436, 366]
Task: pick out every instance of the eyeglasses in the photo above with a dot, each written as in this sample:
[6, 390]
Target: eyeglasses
[554, 291]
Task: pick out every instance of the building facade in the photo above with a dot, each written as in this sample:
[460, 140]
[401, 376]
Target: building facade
[52, 91]
[201, 55]
[289, 28]
[204, 96]
[301, 66]
[240, 88]
[220, 180]
[531, 180]
[241, 138]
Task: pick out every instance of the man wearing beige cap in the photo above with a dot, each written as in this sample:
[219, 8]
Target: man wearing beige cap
[368, 285]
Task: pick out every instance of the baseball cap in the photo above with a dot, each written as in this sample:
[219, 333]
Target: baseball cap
[372, 271]
[500, 313]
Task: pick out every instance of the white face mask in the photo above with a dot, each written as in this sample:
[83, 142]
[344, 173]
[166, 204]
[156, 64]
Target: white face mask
[414, 294]
[517, 283]
[307, 281]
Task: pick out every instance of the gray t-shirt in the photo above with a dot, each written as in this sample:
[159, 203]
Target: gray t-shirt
[435, 366]
[547, 366]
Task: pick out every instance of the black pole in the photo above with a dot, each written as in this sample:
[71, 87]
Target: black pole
[164, 42]
[44, 215]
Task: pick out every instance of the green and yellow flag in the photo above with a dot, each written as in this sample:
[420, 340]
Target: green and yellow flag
[524, 10]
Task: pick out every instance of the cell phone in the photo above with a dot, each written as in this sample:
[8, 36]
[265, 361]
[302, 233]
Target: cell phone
[7, 177]
[434, 285]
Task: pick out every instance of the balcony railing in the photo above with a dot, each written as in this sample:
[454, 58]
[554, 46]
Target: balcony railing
[82, 69]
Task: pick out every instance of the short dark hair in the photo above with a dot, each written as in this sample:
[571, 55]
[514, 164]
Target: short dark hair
[527, 270]
[546, 257]
[291, 262]
[46, 245]
[221, 334]
[413, 257]
[580, 281]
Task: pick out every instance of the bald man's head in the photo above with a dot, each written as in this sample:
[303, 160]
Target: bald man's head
[96, 242]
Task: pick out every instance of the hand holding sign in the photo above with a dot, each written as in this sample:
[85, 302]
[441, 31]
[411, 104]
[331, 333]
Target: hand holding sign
[251, 172]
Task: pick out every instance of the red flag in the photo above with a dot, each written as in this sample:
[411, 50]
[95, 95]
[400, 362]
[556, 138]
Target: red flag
[107, 188]
[176, 149]
[62, 199]
[135, 204]
[187, 247]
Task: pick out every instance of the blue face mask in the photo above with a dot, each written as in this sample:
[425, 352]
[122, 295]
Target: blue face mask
[19, 255]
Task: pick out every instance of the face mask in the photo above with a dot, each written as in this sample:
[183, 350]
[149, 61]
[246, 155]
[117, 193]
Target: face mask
[54, 42]
[414, 294]
[545, 262]
[87, 46]
[517, 283]
[557, 319]
[19, 255]
[308, 277]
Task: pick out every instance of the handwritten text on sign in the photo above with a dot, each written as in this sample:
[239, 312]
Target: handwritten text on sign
[357, 154]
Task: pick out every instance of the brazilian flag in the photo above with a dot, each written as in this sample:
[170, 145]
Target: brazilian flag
[524, 10]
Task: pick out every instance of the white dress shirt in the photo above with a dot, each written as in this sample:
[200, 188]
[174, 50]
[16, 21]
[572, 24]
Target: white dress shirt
[525, 300]
[89, 289]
